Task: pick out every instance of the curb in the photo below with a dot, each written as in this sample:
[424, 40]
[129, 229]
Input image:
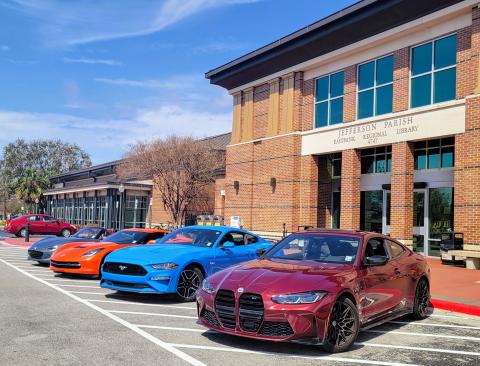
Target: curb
[12, 242]
[456, 307]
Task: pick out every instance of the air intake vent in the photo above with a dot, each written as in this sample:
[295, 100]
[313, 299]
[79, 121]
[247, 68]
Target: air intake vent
[225, 306]
[250, 312]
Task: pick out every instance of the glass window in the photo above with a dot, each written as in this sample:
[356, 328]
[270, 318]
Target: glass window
[375, 87]
[440, 215]
[434, 154]
[376, 160]
[371, 211]
[433, 69]
[396, 250]
[336, 165]
[336, 210]
[329, 99]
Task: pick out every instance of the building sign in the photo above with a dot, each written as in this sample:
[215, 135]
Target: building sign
[409, 127]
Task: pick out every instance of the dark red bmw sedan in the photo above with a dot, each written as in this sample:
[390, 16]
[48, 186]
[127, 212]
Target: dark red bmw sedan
[317, 286]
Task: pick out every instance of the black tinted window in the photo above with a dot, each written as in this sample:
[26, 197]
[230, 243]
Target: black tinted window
[375, 247]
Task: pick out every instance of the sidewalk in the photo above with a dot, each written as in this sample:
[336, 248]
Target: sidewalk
[455, 288]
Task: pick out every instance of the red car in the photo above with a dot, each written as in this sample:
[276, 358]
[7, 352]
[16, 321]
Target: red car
[317, 286]
[39, 224]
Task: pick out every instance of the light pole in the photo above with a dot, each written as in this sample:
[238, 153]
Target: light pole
[121, 189]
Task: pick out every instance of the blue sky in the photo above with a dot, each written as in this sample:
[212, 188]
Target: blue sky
[105, 74]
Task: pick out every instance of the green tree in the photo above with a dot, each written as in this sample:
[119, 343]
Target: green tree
[30, 187]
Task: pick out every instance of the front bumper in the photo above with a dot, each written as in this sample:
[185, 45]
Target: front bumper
[40, 256]
[154, 281]
[88, 266]
[306, 323]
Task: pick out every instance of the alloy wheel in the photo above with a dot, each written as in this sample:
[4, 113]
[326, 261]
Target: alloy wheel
[188, 284]
[342, 326]
[422, 299]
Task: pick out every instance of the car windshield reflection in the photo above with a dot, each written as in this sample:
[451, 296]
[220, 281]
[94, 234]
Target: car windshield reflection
[188, 236]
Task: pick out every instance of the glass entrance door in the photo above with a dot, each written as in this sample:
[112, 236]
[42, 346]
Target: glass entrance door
[420, 220]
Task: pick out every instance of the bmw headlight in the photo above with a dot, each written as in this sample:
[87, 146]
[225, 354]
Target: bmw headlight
[168, 265]
[92, 252]
[300, 297]
[207, 287]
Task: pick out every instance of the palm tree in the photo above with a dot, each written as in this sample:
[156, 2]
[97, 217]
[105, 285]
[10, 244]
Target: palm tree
[30, 187]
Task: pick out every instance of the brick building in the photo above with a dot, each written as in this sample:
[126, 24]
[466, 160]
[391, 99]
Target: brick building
[367, 119]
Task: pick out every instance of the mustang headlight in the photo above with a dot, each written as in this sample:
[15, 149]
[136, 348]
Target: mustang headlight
[207, 287]
[168, 265]
[92, 252]
[300, 297]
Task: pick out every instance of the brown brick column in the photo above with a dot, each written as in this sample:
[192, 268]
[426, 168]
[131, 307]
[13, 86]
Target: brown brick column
[401, 79]
[401, 219]
[350, 94]
[350, 190]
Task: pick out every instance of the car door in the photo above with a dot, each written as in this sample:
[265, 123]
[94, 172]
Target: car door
[378, 293]
[399, 263]
[36, 224]
[225, 257]
[51, 225]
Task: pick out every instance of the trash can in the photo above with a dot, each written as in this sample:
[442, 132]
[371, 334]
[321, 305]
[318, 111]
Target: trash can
[218, 220]
[450, 240]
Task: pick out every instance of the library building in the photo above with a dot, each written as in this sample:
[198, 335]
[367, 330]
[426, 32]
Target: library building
[368, 119]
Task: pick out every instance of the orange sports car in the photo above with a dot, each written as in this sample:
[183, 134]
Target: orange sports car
[86, 258]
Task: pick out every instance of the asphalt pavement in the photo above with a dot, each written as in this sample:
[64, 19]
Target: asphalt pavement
[49, 319]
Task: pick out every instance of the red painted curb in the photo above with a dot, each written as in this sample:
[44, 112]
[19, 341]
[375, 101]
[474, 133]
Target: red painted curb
[456, 307]
[15, 242]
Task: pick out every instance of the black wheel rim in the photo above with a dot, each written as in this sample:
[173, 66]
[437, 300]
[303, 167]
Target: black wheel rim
[342, 324]
[188, 284]
[423, 298]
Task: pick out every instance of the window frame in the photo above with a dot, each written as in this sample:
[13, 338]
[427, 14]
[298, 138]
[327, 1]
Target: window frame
[441, 146]
[375, 86]
[329, 99]
[388, 153]
[431, 72]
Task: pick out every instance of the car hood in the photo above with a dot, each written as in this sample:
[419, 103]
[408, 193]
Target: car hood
[156, 253]
[270, 277]
[46, 243]
[71, 251]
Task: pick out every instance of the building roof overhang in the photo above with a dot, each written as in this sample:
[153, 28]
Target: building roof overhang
[350, 25]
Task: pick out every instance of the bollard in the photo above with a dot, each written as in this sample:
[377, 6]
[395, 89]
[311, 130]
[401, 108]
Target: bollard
[27, 233]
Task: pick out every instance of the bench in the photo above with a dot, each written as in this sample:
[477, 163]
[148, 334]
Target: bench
[472, 258]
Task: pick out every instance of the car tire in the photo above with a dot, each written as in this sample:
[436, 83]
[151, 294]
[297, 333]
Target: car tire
[65, 233]
[343, 327]
[22, 233]
[189, 282]
[422, 300]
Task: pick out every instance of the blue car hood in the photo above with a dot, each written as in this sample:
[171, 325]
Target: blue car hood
[156, 253]
[43, 244]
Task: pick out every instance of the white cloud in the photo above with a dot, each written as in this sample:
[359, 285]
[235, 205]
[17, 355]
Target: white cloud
[109, 139]
[172, 82]
[4, 48]
[79, 22]
[90, 61]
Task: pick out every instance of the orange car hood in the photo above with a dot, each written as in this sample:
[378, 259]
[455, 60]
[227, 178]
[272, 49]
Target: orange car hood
[77, 249]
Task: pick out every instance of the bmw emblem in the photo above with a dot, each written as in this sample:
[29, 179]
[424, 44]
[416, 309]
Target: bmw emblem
[241, 289]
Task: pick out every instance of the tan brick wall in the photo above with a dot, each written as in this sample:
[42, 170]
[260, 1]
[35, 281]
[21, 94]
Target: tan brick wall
[401, 79]
[401, 222]
[350, 94]
[260, 111]
[350, 192]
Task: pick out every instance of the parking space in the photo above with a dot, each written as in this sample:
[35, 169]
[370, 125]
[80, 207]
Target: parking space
[443, 338]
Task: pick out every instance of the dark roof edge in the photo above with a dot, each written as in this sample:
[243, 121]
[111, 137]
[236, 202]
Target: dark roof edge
[326, 20]
[91, 168]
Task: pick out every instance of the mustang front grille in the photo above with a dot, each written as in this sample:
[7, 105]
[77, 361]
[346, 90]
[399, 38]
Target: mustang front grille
[225, 307]
[250, 311]
[126, 284]
[124, 268]
[65, 264]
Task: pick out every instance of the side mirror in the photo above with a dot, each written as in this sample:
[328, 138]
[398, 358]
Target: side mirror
[260, 252]
[376, 260]
[228, 245]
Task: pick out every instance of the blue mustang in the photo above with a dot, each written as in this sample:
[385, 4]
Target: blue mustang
[180, 261]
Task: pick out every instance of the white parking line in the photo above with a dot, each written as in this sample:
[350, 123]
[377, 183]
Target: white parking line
[434, 325]
[89, 293]
[166, 346]
[68, 285]
[143, 304]
[425, 349]
[474, 339]
[322, 358]
[152, 314]
[175, 328]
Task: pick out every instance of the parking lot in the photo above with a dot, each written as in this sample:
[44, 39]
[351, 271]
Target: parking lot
[57, 320]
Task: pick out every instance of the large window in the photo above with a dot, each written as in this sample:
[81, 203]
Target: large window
[375, 87]
[371, 211]
[433, 69]
[336, 210]
[329, 100]
[434, 154]
[135, 211]
[336, 165]
[377, 160]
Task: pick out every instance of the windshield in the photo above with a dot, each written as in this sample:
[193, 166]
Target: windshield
[88, 233]
[127, 237]
[197, 237]
[317, 247]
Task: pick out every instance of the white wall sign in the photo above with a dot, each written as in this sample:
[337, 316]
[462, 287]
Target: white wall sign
[428, 123]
